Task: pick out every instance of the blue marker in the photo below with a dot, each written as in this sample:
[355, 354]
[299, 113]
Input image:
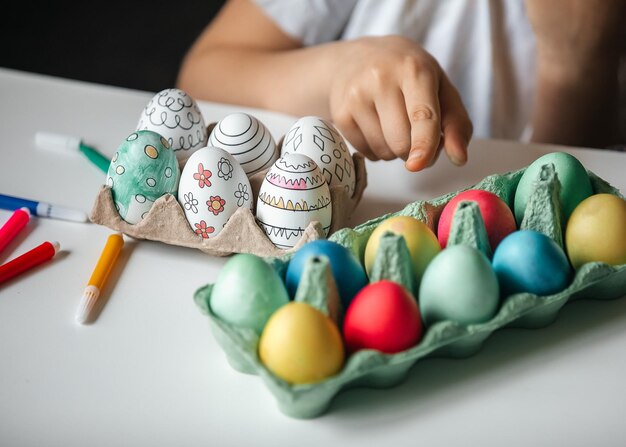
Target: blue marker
[42, 209]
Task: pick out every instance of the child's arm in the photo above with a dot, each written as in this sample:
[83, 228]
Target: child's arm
[578, 50]
[385, 94]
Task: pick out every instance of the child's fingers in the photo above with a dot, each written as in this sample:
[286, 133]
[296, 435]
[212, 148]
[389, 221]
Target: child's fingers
[422, 107]
[456, 126]
[350, 129]
[394, 122]
[368, 121]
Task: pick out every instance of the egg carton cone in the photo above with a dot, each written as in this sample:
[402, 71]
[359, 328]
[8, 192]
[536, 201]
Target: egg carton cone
[369, 368]
[166, 221]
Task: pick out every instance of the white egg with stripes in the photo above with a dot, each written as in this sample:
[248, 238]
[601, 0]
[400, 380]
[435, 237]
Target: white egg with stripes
[247, 140]
[293, 194]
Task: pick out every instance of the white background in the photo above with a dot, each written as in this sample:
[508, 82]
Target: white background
[148, 371]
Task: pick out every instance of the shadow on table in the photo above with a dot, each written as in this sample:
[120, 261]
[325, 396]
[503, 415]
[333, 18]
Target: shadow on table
[439, 384]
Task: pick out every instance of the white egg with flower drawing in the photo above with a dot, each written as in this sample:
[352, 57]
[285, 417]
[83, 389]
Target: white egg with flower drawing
[212, 187]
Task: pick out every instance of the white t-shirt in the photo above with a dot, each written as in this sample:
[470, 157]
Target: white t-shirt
[486, 47]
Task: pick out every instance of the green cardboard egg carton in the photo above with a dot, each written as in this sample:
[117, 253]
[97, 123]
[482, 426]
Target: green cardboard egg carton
[369, 368]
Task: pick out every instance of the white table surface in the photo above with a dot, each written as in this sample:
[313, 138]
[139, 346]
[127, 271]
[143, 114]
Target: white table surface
[149, 373]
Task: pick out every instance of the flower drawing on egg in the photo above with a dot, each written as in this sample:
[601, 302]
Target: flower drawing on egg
[224, 169]
[203, 176]
[191, 204]
[216, 204]
[203, 230]
[242, 194]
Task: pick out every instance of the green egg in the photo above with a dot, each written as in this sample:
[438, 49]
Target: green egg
[247, 292]
[459, 285]
[143, 169]
[575, 183]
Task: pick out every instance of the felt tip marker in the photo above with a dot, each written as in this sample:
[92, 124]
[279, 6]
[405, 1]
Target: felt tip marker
[109, 255]
[69, 143]
[28, 260]
[13, 226]
[42, 209]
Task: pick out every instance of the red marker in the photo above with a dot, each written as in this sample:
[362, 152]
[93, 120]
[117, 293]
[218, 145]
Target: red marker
[28, 260]
[13, 226]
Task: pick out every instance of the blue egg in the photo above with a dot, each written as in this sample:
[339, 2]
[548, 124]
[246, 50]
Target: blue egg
[529, 261]
[346, 269]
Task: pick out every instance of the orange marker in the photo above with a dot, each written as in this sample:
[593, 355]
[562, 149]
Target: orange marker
[111, 250]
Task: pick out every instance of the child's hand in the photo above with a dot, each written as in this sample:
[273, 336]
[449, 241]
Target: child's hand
[390, 98]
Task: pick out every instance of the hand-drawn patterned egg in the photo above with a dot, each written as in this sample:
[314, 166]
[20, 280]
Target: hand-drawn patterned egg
[212, 187]
[143, 169]
[176, 116]
[320, 141]
[247, 139]
[293, 194]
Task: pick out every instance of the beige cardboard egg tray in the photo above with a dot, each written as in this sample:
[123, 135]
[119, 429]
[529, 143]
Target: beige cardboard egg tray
[166, 221]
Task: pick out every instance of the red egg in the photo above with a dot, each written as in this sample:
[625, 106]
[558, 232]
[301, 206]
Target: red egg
[498, 217]
[383, 316]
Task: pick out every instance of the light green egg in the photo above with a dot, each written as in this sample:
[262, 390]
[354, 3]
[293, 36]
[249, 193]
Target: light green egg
[575, 183]
[247, 292]
[143, 169]
[459, 285]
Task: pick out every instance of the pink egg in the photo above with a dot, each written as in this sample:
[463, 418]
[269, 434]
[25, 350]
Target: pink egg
[498, 218]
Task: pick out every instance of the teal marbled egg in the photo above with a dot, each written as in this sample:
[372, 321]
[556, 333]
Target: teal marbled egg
[143, 169]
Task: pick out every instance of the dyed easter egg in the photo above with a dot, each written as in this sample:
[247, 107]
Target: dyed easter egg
[420, 240]
[143, 169]
[575, 183]
[347, 272]
[292, 195]
[383, 316]
[459, 285]
[301, 345]
[175, 115]
[497, 216]
[212, 187]
[596, 231]
[529, 261]
[247, 292]
[320, 141]
[247, 140]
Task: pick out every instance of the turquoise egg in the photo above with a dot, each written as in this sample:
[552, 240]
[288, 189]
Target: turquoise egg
[459, 285]
[531, 262]
[247, 292]
[143, 169]
[575, 183]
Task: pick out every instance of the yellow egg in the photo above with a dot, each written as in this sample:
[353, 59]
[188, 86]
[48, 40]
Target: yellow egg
[301, 345]
[420, 240]
[596, 231]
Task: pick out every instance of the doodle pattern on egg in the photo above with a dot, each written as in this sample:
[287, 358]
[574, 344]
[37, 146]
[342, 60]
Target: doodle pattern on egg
[212, 187]
[319, 140]
[175, 115]
[247, 140]
[294, 193]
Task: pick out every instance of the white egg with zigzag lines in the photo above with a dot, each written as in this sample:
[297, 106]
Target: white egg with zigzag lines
[247, 140]
[293, 194]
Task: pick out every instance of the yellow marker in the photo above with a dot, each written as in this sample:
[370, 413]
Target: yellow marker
[111, 250]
